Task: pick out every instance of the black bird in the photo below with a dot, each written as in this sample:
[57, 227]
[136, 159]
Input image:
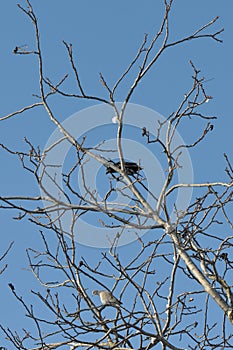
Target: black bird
[131, 168]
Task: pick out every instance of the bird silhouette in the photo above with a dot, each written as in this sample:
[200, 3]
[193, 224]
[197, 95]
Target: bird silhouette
[131, 168]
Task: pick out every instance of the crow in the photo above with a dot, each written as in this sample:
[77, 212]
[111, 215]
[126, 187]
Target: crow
[131, 168]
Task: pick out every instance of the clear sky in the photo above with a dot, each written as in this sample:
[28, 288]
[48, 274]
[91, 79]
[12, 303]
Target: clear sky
[105, 37]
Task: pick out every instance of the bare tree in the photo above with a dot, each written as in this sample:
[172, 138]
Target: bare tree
[163, 292]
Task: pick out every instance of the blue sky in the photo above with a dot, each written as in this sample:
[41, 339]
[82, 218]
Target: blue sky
[105, 38]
